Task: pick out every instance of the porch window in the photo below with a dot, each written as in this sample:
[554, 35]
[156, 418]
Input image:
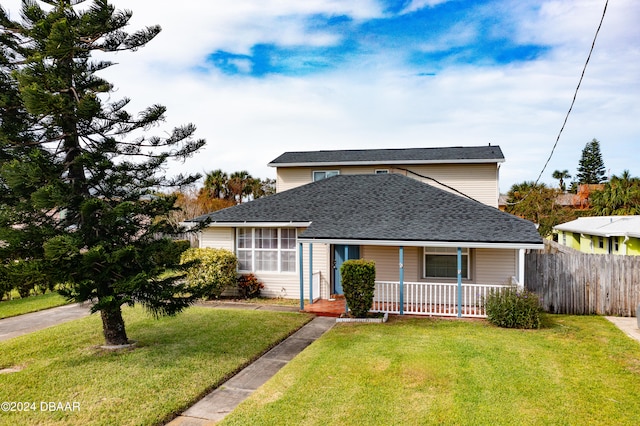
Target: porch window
[442, 262]
[266, 249]
[323, 174]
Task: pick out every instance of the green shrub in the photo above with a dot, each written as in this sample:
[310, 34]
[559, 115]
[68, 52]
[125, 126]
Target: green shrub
[26, 277]
[513, 308]
[210, 271]
[249, 286]
[358, 283]
[171, 255]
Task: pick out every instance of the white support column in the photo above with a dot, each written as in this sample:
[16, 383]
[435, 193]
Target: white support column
[521, 269]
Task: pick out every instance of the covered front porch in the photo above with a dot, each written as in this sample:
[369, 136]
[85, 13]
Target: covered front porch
[412, 298]
[461, 298]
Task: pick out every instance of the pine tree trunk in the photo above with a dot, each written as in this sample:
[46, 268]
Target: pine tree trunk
[113, 327]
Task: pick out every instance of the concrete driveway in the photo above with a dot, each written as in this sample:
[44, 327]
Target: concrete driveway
[27, 323]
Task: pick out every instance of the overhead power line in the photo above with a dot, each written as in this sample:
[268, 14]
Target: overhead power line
[573, 101]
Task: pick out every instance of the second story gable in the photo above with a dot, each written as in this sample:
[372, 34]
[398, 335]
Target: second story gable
[473, 171]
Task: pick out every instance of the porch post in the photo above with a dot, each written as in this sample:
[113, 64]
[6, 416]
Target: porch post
[346, 257]
[301, 264]
[310, 273]
[459, 282]
[521, 263]
[401, 280]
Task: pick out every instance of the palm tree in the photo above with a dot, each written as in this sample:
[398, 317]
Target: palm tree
[215, 184]
[620, 196]
[239, 185]
[561, 176]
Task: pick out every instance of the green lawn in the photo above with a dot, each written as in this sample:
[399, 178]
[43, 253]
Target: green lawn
[11, 308]
[177, 361]
[576, 371]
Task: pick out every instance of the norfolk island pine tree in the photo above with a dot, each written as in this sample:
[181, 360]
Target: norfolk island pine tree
[79, 172]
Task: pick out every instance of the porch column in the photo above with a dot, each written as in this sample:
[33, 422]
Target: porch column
[459, 282]
[301, 264]
[346, 257]
[521, 262]
[401, 280]
[310, 273]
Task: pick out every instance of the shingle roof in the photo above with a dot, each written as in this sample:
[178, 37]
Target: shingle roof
[604, 226]
[470, 154]
[383, 207]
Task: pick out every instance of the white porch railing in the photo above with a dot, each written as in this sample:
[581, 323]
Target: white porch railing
[316, 285]
[432, 298]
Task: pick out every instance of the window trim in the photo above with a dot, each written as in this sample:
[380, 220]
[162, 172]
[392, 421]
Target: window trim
[252, 249]
[331, 172]
[465, 252]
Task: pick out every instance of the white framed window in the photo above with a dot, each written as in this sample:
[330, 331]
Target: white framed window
[323, 174]
[616, 244]
[442, 262]
[600, 242]
[266, 249]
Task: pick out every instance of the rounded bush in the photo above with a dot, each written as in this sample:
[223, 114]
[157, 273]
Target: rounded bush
[358, 283]
[210, 271]
[513, 308]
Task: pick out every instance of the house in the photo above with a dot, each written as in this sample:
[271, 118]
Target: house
[471, 170]
[601, 234]
[437, 250]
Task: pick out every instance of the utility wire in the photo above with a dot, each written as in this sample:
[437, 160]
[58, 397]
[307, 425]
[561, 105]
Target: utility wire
[439, 183]
[575, 95]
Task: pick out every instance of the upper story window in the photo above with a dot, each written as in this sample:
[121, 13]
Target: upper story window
[382, 171]
[323, 174]
[266, 249]
[442, 262]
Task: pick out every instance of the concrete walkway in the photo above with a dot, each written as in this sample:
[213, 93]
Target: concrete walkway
[27, 323]
[629, 325]
[220, 402]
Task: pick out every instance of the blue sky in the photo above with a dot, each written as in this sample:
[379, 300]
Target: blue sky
[260, 77]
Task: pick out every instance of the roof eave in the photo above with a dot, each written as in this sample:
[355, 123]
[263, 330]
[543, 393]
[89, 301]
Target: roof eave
[249, 224]
[425, 243]
[386, 162]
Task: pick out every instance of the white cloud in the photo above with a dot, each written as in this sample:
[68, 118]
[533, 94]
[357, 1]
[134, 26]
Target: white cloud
[375, 102]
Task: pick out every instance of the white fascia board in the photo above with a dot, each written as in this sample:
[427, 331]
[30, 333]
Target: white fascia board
[390, 243]
[379, 163]
[592, 232]
[259, 224]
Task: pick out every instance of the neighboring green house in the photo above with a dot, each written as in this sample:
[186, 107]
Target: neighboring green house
[602, 234]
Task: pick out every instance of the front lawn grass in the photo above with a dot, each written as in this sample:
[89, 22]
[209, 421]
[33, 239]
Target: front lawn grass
[14, 307]
[177, 361]
[576, 371]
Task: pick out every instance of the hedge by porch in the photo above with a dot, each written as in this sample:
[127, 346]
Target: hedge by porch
[358, 284]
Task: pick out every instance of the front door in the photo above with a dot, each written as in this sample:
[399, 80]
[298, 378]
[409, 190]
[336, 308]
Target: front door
[340, 254]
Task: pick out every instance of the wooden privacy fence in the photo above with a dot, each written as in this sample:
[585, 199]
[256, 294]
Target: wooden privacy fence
[582, 284]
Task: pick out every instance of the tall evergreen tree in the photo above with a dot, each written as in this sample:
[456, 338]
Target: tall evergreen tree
[79, 172]
[591, 166]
